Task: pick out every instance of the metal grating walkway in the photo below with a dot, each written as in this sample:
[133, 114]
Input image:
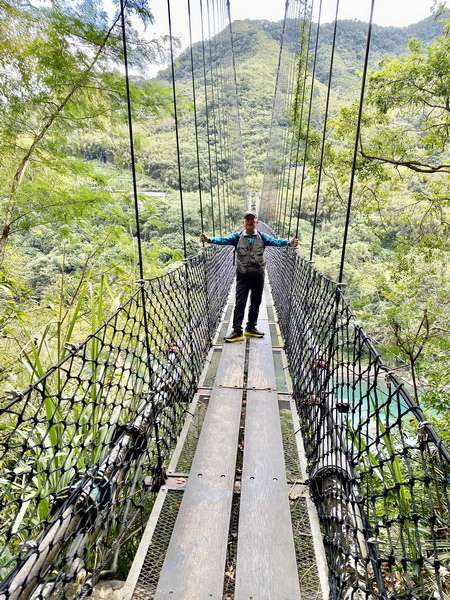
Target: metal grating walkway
[234, 519]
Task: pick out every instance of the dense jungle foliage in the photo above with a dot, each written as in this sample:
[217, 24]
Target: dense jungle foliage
[67, 208]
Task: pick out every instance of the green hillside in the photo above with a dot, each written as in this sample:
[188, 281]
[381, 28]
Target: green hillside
[256, 44]
[69, 236]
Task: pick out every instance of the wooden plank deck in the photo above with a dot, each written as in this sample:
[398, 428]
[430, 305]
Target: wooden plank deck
[266, 562]
[231, 366]
[261, 370]
[195, 561]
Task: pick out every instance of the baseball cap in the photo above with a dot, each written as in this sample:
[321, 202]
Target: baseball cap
[250, 213]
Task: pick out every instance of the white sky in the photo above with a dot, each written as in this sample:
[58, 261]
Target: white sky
[397, 13]
[387, 12]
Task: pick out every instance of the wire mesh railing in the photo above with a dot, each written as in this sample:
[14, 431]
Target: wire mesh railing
[379, 474]
[83, 449]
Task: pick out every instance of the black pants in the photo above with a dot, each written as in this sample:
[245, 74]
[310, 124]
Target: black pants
[244, 285]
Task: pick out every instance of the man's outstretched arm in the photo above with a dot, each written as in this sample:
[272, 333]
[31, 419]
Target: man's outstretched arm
[231, 239]
[271, 241]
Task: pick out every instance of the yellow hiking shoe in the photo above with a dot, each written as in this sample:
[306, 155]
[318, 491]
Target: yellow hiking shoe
[235, 336]
[254, 333]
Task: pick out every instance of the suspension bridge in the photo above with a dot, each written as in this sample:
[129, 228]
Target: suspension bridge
[154, 461]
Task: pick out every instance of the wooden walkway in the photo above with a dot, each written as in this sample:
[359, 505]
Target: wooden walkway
[244, 394]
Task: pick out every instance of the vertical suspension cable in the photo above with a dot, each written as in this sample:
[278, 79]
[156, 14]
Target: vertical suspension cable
[291, 134]
[180, 182]
[234, 119]
[220, 54]
[197, 148]
[283, 176]
[290, 71]
[355, 151]
[218, 42]
[214, 118]
[327, 104]
[225, 70]
[272, 132]
[147, 344]
[281, 112]
[300, 118]
[180, 179]
[131, 138]
[195, 120]
[240, 149]
[207, 122]
[219, 51]
[275, 169]
[305, 153]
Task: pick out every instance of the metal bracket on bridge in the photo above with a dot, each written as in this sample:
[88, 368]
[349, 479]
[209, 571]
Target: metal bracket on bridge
[177, 482]
[174, 481]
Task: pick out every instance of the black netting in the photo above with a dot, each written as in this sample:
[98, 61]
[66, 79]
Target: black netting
[378, 472]
[82, 451]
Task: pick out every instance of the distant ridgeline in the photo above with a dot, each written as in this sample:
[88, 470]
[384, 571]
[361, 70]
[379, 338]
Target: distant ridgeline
[252, 37]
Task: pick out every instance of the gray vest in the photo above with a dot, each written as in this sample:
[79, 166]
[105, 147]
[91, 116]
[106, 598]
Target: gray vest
[250, 257]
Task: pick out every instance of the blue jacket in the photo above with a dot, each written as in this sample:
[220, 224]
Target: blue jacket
[233, 239]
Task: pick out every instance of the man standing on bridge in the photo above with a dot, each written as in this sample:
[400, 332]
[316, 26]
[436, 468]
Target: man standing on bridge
[250, 264]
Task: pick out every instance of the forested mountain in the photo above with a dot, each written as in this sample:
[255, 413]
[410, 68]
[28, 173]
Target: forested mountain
[256, 44]
[253, 41]
[69, 239]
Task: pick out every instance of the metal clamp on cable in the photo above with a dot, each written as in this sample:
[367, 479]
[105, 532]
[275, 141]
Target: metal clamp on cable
[90, 494]
[422, 429]
[137, 434]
